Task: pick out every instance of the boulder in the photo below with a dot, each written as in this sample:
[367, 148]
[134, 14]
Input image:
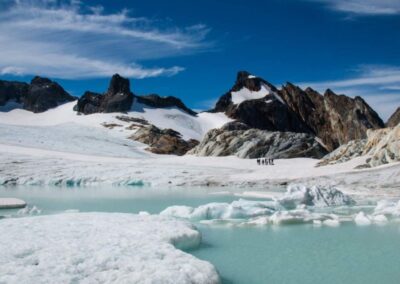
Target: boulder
[163, 141]
[235, 139]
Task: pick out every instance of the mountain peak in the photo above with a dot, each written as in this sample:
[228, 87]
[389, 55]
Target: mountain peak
[37, 80]
[119, 84]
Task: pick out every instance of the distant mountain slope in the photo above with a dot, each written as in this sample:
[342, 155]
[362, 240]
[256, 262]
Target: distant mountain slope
[394, 119]
[120, 98]
[38, 96]
[335, 119]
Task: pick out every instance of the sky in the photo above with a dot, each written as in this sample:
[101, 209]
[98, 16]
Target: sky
[193, 49]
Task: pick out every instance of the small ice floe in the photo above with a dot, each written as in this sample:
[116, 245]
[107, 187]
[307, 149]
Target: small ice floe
[29, 210]
[11, 203]
[385, 207]
[362, 220]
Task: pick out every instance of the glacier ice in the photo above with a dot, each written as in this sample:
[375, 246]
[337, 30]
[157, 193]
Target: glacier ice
[100, 248]
[297, 205]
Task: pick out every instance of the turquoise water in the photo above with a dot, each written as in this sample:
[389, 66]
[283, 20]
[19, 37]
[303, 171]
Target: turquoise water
[272, 254]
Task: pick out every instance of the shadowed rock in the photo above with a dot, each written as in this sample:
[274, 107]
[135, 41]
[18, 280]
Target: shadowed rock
[394, 119]
[38, 96]
[118, 98]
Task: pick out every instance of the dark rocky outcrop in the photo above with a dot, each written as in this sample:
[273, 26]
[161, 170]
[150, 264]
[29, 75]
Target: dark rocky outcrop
[237, 139]
[163, 141]
[335, 119]
[38, 96]
[266, 113]
[118, 98]
[394, 119]
[156, 101]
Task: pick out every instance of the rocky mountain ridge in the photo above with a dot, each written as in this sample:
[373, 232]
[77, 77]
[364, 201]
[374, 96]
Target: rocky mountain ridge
[39, 95]
[119, 98]
[335, 119]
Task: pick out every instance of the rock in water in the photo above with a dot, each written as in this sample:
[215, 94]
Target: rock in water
[394, 119]
[163, 141]
[237, 139]
[38, 96]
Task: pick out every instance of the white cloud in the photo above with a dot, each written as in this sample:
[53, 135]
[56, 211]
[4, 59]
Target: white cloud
[378, 85]
[70, 40]
[365, 7]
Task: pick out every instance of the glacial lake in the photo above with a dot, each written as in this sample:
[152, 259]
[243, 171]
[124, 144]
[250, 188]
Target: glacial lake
[301, 253]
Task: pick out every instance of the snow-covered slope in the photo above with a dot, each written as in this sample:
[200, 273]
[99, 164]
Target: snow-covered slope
[190, 127]
[245, 94]
[101, 248]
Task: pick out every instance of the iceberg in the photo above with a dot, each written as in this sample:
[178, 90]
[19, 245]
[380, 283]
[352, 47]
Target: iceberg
[319, 196]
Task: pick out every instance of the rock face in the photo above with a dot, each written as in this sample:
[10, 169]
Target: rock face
[382, 146]
[238, 139]
[118, 98]
[163, 141]
[257, 103]
[335, 119]
[38, 96]
[156, 101]
[394, 120]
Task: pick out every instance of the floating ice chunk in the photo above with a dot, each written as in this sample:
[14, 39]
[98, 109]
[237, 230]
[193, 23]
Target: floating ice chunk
[178, 211]
[362, 220]
[240, 209]
[29, 210]
[11, 203]
[298, 194]
[331, 222]
[100, 248]
[385, 207]
[380, 219]
[258, 221]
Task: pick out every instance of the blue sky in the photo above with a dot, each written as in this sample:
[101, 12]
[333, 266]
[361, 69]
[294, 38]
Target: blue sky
[193, 49]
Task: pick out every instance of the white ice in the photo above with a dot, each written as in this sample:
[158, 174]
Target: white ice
[100, 248]
[11, 203]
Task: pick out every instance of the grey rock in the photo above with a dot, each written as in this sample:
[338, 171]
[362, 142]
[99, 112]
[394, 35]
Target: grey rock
[394, 119]
[163, 141]
[255, 143]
